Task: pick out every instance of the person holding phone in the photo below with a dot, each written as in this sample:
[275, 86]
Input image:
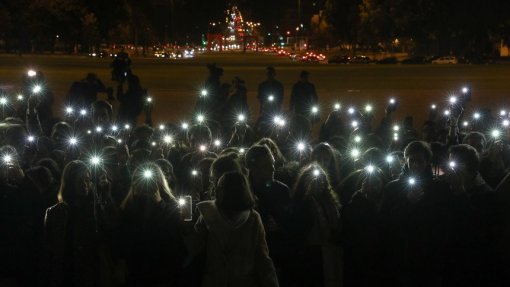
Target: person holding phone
[233, 237]
[150, 233]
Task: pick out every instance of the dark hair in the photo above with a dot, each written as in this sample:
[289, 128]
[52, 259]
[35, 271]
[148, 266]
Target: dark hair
[475, 135]
[102, 105]
[72, 172]
[275, 150]
[419, 147]
[466, 156]
[223, 164]
[254, 153]
[233, 194]
[52, 166]
[201, 132]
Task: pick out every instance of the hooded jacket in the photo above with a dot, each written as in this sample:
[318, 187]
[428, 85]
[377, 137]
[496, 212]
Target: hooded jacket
[236, 249]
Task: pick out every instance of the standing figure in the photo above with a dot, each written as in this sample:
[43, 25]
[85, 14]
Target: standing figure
[270, 94]
[303, 96]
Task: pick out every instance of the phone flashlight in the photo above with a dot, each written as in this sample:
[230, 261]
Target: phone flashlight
[452, 164]
[368, 108]
[336, 107]
[495, 133]
[3, 101]
[69, 110]
[161, 127]
[433, 107]
[200, 118]
[149, 99]
[315, 110]
[20, 97]
[7, 158]
[270, 98]
[389, 159]
[357, 139]
[167, 139]
[83, 112]
[184, 126]
[147, 174]
[241, 118]
[36, 89]
[31, 73]
[506, 123]
[453, 100]
[411, 181]
[476, 116]
[316, 172]
[95, 160]
[185, 204]
[370, 168]
[203, 93]
[351, 111]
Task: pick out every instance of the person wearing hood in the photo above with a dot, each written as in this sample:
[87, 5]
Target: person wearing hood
[415, 222]
[233, 237]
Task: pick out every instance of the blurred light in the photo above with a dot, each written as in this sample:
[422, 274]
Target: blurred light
[194, 172]
[127, 126]
[465, 123]
[495, 133]
[354, 124]
[453, 100]
[202, 148]
[31, 138]
[433, 107]
[37, 89]
[396, 128]
[115, 128]
[506, 123]
[73, 141]
[270, 98]
[153, 143]
[412, 181]
[465, 90]
[389, 158]
[357, 139]
[149, 99]
[203, 93]
[368, 108]
[336, 107]
[83, 112]
[184, 126]
[217, 143]
[370, 168]
[20, 97]
[200, 118]
[502, 113]
[69, 110]
[167, 139]
[447, 112]
[161, 127]
[355, 153]
[147, 174]
[316, 172]
[351, 110]
[7, 158]
[95, 160]
[315, 109]
[119, 141]
[99, 129]
[393, 101]
[241, 150]
[31, 73]
[300, 146]
[241, 118]
[181, 202]
[452, 164]
[3, 101]
[476, 116]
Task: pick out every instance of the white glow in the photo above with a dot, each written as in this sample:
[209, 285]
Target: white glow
[168, 139]
[202, 148]
[153, 143]
[357, 139]
[270, 98]
[336, 107]
[495, 133]
[184, 126]
[147, 174]
[476, 116]
[389, 159]
[31, 73]
[203, 93]
[354, 124]
[368, 108]
[465, 90]
[465, 123]
[181, 201]
[83, 112]
[370, 168]
[502, 113]
[7, 158]
[119, 141]
[31, 138]
[217, 143]
[95, 160]
[396, 128]
[127, 127]
[161, 127]
[73, 141]
[506, 123]
[99, 129]
[37, 89]
[412, 181]
[194, 172]
[452, 164]
[69, 110]
[3, 101]
[242, 150]
[447, 112]
[241, 117]
[115, 128]
[316, 172]
[433, 107]
[200, 118]
[149, 100]
[351, 111]
[300, 146]
[393, 101]
[453, 100]
[355, 153]
[20, 97]
[315, 109]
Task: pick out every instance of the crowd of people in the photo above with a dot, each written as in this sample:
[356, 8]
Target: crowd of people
[93, 199]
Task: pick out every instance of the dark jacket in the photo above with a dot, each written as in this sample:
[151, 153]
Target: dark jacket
[302, 98]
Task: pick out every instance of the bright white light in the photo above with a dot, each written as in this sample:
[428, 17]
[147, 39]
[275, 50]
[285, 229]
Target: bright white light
[31, 73]
[389, 159]
[452, 164]
[3, 101]
[447, 112]
[147, 174]
[433, 107]
[351, 111]
[465, 90]
[73, 141]
[355, 153]
[115, 128]
[89, 132]
[184, 126]
[336, 107]
[31, 138]
[217, 143]
[83, 112]
[465, 123]
[368, 108]
[161, 127]
[476, 116]
[20, 97]
[279, 121]
[506, 123]
[69, 110]
[316, 172]
[453, 99]
[167, 139]
[149, 100]
[354, 124]
[370, 168]
[357, 139]
[95, 160]
[181, 202]
[270, 98]
[200, 118]
[412, 181]
[119, 141]
[194, 172]
[153, 143]
[495, 133]
[241, 117]
[99, 129]
[127, 126]
[242, 150]
[300, 146]
[502, 113]
[202, 148]
[7, 158]
[396, 128]
[37, 89]
[315, 109]
[393, 101]
[203, 93]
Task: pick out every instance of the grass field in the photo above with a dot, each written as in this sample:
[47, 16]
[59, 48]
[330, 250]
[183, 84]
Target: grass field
[175, 84]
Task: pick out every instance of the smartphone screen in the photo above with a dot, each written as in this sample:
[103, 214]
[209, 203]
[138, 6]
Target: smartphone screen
[186, 206]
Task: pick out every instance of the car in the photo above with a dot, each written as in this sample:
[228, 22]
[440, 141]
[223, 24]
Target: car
[446, 60]
[340, 59]
[313, 57]
[282, 53]
[361, 59]
[99, 54]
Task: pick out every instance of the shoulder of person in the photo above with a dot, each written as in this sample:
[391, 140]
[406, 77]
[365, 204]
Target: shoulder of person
[58, 210]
